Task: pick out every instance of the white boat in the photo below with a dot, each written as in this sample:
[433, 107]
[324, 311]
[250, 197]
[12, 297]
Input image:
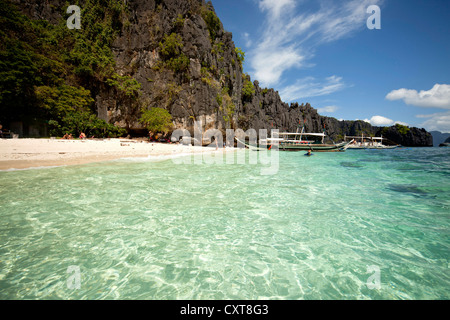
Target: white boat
[367, 142]
[301, 141]
[298, 141]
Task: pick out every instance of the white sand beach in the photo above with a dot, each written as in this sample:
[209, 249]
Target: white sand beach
[28, 153]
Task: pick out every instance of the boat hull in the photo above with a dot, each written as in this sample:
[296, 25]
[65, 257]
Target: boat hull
[372, 148]
[312, 147]
[286, 145]
[283, 146]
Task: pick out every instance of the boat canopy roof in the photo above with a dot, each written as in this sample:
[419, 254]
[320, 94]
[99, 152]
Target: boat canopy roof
[300, 134]
[364, 137]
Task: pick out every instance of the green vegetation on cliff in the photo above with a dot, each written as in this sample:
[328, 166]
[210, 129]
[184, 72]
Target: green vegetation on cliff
[212, 22]
[241, 56]
[402, 129]
[50, 72]
[248, 90]
[157, 120]
[171, 51]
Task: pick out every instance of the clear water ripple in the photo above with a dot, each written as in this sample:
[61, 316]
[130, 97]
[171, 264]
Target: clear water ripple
[156, 230]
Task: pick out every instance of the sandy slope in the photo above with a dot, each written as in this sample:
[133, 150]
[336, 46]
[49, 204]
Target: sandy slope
[26, 153]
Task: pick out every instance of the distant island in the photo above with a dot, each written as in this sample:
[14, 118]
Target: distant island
[446, 143]
[129, 58]
[439, 138]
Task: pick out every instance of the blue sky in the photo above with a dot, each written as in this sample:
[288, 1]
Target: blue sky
[322, 52]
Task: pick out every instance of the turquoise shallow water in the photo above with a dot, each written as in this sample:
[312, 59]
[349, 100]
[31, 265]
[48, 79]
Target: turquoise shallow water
[160, 230]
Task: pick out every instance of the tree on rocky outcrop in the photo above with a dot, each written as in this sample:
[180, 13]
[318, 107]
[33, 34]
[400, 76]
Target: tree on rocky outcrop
[241, 56]
[171, 50]
[127, 91]
[248, 89]
[212, 21]
[157, 120]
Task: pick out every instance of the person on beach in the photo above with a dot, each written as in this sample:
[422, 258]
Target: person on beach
[66, 136]
[1, 132]
[82, 136]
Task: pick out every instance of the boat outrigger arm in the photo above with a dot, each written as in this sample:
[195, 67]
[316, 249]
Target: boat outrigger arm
[296, 145]
[250, 146]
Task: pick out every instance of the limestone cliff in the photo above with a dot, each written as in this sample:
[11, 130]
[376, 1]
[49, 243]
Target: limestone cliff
[187, 63]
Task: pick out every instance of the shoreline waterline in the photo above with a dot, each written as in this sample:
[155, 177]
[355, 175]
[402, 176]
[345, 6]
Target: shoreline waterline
[22, 154]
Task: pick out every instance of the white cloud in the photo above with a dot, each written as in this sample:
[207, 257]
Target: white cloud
[275, 7]
[270, 65]
[248, 41]
[328, 109]
[437, 97]
[436, 121]
[291, 34]
[310, 87]
[380, 121]
[342, 20]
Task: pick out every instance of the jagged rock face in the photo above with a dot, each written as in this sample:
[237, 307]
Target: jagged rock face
[188, 96]
[213, 73]
[137, 53]
[196, 100]
[415, 137]
[42, 10]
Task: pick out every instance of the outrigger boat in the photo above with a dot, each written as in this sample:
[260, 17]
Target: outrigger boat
[362, 142]
[306, 141]
[302, 141]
